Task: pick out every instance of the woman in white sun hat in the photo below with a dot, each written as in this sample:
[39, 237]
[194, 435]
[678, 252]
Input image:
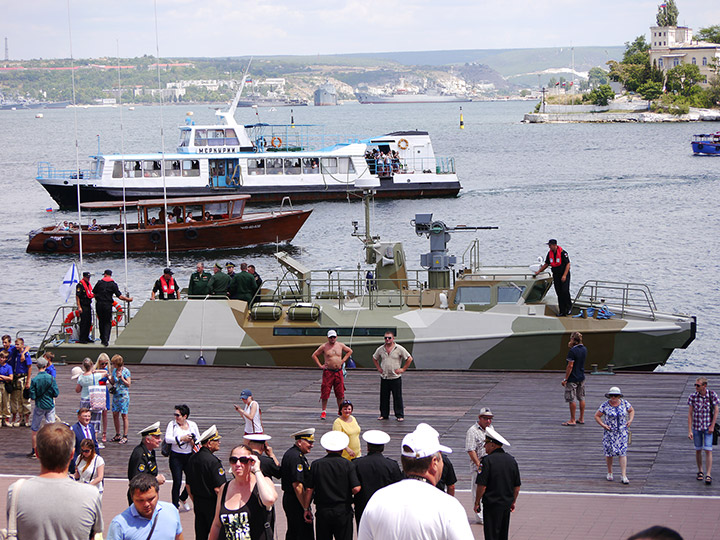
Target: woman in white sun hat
[619, 416]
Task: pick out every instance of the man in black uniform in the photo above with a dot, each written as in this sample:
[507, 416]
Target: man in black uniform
[269, 464]
[205, 476]
[293, 470]
[448, 479]
[199, 281]
[166, 287]
[104, 291]
[142, 459]
[559, 262]
[374, 470]
[333, 481]
[83, 297]
[498, 486]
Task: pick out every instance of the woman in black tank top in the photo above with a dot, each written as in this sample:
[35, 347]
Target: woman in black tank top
[242, 511]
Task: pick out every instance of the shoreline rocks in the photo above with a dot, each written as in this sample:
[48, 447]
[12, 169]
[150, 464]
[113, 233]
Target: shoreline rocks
[695, 115]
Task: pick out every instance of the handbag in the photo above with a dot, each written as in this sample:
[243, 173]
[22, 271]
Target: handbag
[165, 447]
[11, 531]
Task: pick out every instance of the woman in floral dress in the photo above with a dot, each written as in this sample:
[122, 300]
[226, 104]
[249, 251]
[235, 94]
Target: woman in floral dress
[619, 416]
[120, 379]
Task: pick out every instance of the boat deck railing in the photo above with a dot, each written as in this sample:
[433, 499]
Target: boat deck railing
[437, 165]
[46, 170]
[351, 288]
[620, 298]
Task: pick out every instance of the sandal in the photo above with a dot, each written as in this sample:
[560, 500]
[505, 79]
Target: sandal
[123, 440]
[104, 437]
[708, 480]
[116, 438]
[700, 476]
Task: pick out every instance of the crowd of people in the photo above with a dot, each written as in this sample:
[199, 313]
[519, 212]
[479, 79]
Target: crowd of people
[349, 488]
[383, 163]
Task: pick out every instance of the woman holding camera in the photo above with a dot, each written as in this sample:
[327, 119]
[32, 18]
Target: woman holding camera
[181, 435]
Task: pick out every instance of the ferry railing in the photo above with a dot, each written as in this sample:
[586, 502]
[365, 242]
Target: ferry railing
[46, 170]
[620, 298]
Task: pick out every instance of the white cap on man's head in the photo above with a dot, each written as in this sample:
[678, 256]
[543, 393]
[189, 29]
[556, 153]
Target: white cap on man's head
[332, 333]
[491, 433]
[423, 442]
[334, 441]
[375, 436]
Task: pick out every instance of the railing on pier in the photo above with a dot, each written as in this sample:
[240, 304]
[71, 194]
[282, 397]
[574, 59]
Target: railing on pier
[619, 297]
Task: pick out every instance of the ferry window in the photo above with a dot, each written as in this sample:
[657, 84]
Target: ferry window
[310, 165]
[191, 167]
[151, 168]
[274, 165]
[510, 294]
[329, 165]
[172, 167]
[184, 137]
[117, 169]
[256, 166]
[133, 169]
[200, 137]
[292, 166]
[231, 138]
[216, 137]
[378, 332]
[473, 295]
[346, 166]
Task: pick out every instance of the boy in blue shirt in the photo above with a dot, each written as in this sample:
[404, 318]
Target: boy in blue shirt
[6, 383]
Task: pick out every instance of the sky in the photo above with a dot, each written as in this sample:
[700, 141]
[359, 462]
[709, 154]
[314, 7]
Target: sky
[214, 28]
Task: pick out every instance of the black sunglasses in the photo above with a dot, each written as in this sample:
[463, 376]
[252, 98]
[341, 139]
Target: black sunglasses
[388, 337]
[241, 459]
[699, 385]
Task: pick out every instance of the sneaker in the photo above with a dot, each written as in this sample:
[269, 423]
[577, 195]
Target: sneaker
[609, 477]
[101, 445]
[184, 507]
[7, 423]
[32, 455]
[323, 415]
[625, 480]
[16, 424]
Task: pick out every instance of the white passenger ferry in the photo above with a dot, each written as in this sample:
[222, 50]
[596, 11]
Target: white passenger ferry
[267, 161]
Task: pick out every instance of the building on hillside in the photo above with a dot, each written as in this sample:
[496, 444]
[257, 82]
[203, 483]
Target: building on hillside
[671, 46]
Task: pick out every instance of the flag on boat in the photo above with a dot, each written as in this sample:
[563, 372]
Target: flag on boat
[67, 289]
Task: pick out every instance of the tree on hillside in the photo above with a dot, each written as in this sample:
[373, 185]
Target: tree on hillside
[597, 76]
[634, 69]
[602, 95]
[667, 14]
[711, 34]
[684, 79]
[637, 51]
[650, 91]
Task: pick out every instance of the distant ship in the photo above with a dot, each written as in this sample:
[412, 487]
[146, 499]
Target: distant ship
[29, 104]
[325, 95]
[403, 96]
[256, 100]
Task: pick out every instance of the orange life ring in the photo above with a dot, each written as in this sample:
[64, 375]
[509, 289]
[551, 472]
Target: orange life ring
[68, 322]
[118, 313]
[403, 144]
[276, 142]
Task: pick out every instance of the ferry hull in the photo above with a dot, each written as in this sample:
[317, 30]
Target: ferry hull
[252, 229]
[66, 195]
[437, 339]
[706, 148]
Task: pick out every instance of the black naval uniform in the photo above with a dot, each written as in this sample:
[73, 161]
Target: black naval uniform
[204, 473]
[558, 262]
[104, 292]
[293, 468]
[142, 460]
[85, 303]
[374, 471]
[500, 475]
[332, 479]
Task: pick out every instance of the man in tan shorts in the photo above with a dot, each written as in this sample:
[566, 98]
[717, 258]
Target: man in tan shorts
[335, 355]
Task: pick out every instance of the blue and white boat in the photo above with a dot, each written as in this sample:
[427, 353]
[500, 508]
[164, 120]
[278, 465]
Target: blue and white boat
[706, 145]
[267, 161]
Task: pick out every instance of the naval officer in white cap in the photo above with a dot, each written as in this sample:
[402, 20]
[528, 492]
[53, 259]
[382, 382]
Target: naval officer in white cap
[293, 470]
[142, 459]
[205, 475]
[498, 486]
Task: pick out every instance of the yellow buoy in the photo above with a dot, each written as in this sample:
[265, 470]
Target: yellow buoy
[462, 122]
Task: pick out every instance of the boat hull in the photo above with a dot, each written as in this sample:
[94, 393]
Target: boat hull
[706, 148]
[65, 195]
[436, 338]
[251, 229]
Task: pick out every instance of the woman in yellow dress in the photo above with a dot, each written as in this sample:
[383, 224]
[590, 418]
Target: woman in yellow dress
[347, 424]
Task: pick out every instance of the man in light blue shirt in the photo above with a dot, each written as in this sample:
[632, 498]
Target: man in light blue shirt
[147, 516]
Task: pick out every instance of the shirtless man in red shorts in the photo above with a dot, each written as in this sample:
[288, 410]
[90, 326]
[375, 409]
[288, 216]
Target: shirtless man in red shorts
[335, 355]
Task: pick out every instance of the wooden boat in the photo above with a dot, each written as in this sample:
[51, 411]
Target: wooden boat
[219, 222]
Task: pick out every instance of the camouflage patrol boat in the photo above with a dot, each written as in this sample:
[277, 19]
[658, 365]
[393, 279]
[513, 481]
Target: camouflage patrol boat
[477, 317]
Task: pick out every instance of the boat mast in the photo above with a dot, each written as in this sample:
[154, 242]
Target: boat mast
[122, 161]
[162, 138]
[229, 115]
[77, 149]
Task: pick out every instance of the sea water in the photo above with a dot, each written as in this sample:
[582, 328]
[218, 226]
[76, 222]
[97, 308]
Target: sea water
[628, 202]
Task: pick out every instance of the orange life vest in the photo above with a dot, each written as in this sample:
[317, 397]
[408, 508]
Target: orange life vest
[555, 258]
[88, 289]
[168, 287]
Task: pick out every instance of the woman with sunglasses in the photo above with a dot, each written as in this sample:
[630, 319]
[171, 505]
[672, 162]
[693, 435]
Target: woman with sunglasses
[243, 508]
[101, 365]
[347, 423]
[181, 434]
[619, 416]
[90, 467]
